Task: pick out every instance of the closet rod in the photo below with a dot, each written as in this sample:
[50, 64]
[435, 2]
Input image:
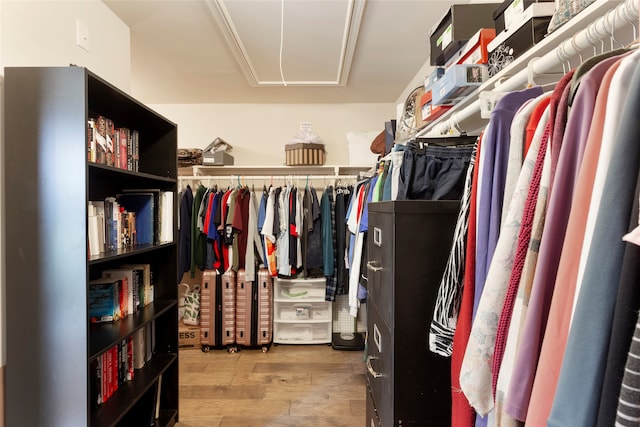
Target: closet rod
[601, 30]
[269, 178]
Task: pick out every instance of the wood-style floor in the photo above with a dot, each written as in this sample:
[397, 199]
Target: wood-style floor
[291, 385]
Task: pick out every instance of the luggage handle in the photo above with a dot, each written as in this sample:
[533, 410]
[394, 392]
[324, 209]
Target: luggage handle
[372, 265]
[373, 373]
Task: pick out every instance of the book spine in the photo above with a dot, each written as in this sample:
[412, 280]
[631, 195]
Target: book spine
[130, 370]
[136, 151]
[91, 140]
[110, 141]
[114, 369]
[116, 149]
[129, 150]
[101, 140]
[104, 391]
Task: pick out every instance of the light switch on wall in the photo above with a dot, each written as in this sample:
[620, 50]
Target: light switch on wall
[82, 35]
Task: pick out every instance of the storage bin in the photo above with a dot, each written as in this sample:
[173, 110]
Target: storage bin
[301, 311]
[513, 42]
[303, 333]
[507, 15]
[475, 51]
[304, 154]
[459, 81]
[455, 28]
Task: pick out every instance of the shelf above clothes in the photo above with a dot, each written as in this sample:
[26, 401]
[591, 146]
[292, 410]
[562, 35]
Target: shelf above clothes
[603, 22]
[328, 170]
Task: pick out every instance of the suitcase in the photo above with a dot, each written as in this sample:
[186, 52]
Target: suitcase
[218, 310]
[254, 310]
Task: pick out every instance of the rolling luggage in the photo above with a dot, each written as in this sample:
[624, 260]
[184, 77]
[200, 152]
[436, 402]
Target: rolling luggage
[254, 310]
[218, 310]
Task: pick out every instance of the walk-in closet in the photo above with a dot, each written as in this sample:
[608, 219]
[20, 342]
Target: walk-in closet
[351, 213]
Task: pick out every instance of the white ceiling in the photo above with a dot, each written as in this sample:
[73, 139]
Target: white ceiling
[228, 51]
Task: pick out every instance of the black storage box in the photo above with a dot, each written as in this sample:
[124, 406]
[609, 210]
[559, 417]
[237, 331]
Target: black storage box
[504, 50]
[456, 27]
[508, 12]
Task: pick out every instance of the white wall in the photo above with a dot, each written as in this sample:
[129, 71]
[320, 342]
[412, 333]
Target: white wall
[259, 132]
[43, 33]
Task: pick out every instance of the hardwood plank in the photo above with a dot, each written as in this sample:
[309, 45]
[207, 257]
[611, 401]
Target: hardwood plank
[331, 421]
[269, 378]
[222, 392]
[209, 408]
[301, 367]
[207, 378]
[358, 408]
[312, 406]
[337, 378]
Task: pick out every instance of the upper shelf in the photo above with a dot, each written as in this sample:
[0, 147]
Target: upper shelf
[336, 170]
[544, 62]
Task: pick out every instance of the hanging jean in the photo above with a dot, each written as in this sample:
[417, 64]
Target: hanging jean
[433, 173]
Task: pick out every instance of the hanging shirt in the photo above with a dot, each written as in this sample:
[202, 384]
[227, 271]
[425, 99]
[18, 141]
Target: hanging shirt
[594, 309]
[475, 375]
[490, 199]
[184, 233]
[282, 245]
[559, 315]
[267, 232]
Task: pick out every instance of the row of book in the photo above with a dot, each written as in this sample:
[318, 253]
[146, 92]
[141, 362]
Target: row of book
[119, 292]
[118, 364]
[111, 146]
[135, 217]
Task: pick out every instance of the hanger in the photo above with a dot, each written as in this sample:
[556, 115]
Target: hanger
[530, 81]
[575, 46]
[632, 19]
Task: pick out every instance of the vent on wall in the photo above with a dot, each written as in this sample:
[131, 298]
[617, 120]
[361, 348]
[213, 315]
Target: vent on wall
[289, 42]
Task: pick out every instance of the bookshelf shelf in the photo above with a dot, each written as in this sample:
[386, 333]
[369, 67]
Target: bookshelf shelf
[53, 350]
[126, 252]
[106, 335]
[113, 411]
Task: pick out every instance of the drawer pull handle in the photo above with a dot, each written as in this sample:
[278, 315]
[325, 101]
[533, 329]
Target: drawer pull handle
[373, 373]
[372, 265]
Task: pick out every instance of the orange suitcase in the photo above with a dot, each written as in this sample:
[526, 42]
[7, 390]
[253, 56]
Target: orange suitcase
[218, 310]
[254, 310]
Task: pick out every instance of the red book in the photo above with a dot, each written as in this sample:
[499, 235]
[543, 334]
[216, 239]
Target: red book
[124, 137]
[114, 369]
[130, 370]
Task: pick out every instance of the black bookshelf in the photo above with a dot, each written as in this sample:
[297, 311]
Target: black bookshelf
[49, 182]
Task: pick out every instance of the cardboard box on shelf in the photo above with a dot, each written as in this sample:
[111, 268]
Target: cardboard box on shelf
[455, 28]
[513, 42]
[508, 13]
[459, 81]
[304, 154]
[476, 49]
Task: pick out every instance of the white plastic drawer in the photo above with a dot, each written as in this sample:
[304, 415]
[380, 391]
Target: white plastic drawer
[294, 333]
[299, 291]
[302, 311]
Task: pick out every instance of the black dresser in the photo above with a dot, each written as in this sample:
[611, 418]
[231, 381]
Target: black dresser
[408, 246]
